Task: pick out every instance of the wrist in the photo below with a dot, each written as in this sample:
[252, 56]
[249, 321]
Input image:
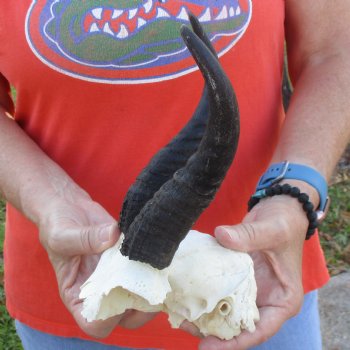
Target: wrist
[286, 171]
[297, 195]
[53, 189]
[314, 196]
[300, 181]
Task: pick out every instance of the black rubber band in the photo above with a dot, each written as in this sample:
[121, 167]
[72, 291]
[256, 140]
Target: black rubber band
[287, 189]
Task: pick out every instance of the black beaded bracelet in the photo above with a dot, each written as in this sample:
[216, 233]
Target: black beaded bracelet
[303, 198]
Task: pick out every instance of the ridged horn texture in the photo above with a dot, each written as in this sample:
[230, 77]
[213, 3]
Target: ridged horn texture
[162, 166]
[156, 232]
[170, 158]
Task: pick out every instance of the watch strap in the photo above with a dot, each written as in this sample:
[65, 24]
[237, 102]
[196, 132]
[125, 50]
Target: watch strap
[286, 170]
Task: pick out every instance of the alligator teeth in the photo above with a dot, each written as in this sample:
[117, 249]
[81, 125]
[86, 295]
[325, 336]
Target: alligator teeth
[231, 12]
[205, 16]
[140, 22]
[94, 28]
[222, 14]
[107, 29]
[123, 33]
[117, 13]
[132, 13]
[183, 14]
[238, 11]
[162, 13]
[97, 12]
[148, 6]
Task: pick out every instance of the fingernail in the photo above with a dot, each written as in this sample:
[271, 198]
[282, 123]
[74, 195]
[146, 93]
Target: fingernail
[105, 234]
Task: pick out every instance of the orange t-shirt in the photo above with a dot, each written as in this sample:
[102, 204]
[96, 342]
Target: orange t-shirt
[100, 89]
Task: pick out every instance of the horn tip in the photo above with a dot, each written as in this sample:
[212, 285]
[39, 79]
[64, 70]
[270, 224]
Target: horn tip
[184, 28]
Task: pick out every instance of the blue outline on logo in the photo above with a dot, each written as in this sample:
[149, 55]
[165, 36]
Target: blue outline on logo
[73, 74]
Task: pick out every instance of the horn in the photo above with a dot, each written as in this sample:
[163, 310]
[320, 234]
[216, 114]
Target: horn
[199, 30]
[170, 158]
[156, 232]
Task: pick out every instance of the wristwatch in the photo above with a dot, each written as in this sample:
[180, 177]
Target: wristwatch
[286, 170]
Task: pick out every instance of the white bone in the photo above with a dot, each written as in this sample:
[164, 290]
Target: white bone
[118, 284]
[206, 284]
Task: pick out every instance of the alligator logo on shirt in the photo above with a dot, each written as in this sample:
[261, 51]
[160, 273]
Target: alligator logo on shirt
[128, 41]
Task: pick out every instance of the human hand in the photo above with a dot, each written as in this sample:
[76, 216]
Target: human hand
[273, 233]
[75, 230]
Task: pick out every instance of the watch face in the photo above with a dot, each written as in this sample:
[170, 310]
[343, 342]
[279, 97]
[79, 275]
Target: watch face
[128, 41]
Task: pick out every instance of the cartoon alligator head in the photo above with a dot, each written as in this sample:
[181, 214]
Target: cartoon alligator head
[124, 34]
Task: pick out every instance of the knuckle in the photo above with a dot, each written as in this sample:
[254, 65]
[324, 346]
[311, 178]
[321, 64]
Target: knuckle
[249, 231]
[260, 336]
[85, 239]
[295, 301]
[53, 240]
[263, 338]
[243, 232]
[97, 333]
[283, 230]
[298, 303]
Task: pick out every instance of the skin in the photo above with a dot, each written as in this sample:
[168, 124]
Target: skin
[72, 227]
[315, 133]
[75, 230]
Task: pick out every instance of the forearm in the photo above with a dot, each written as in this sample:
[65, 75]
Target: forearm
[317, 126]
[29, 179]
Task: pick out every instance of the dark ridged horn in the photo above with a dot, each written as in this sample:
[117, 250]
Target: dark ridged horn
[170, 158]
[163, 165]
[156, 232]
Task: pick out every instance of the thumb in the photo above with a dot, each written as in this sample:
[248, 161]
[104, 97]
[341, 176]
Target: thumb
[248, 236]
[85, 240]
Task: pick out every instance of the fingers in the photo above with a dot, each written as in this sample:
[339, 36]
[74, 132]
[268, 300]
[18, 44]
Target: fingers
[96, 329]
[274, 223]
[271, 319]
[191, 328]
[281, 249]
[133, 319]
[252, 236]
[273, 233]
[100, 329]
[83, 240]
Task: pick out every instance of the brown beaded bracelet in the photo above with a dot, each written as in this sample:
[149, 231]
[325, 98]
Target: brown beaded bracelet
[287, 189]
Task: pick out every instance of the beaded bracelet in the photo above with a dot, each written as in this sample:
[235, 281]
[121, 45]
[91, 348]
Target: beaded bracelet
[287, 189]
